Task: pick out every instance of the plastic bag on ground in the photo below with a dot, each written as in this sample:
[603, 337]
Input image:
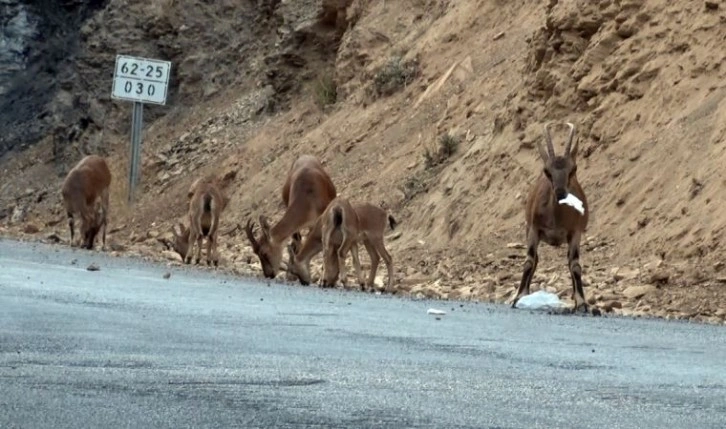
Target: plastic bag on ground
[540, 300]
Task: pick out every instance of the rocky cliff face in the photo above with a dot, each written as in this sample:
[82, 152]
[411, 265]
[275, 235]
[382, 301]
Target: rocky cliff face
[38, 46]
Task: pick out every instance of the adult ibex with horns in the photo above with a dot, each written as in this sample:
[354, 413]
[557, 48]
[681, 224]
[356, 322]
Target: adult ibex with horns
[554, 216]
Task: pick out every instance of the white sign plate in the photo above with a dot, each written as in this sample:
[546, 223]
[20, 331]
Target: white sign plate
[140, 79]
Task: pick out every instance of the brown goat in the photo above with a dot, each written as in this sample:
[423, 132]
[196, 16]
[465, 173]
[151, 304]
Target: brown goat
[306, 193]
[339, 222]
[85, 191]
[549, 220]
[205, 207]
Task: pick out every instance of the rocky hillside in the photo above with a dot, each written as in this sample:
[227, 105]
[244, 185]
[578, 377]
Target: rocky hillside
[431, 108]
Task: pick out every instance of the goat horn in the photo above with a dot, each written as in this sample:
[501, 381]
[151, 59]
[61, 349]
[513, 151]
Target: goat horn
[548, 138]
[569, 139]
[250, 233]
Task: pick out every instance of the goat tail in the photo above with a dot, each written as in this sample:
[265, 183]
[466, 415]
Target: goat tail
[207, 203]
[337, 217]
[392, 222]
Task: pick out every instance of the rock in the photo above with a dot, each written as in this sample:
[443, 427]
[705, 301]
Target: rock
[659, 277]
[515, 246]
[622, 273]
[166, 275]
[116, 247]
[19, 214]
[53, 237]
[30, 229]
[635, 292]
[93, 267]
[711, 5]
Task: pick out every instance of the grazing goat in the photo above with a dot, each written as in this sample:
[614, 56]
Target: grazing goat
[551, 221]
[339, 229]
[86, 192]
[205, 206]
[306, 193]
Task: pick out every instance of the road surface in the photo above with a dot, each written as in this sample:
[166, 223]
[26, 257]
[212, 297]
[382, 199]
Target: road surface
[124, 347]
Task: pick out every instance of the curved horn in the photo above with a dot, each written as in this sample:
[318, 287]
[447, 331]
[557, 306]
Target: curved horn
[250, 233]
[548, 139]
[569, 139]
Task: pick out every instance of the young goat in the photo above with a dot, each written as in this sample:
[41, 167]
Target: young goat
[549, 220]
[205, 206]
[306, 193]
[86, 191]
[339, 222]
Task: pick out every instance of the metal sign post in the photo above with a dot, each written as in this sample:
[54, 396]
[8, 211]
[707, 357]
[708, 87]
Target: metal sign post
[140, 80]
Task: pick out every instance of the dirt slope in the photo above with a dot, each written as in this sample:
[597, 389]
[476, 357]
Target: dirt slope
[643, 81]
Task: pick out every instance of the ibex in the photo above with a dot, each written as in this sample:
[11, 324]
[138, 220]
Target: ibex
[86, 192]
[306, 193]
[551, 221]
[338, 230]
[206, 203]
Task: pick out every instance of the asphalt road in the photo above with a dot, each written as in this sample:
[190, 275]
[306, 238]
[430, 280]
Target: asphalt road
[125, 348]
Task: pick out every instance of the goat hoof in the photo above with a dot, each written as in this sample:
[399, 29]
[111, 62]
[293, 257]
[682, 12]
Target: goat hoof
[216, 263]
[196, 262]
[188, 261]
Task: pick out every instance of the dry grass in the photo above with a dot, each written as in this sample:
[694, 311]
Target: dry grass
[394, 75]
[325, 90]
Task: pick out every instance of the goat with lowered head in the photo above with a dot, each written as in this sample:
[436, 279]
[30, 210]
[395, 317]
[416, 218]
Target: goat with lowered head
[338, 231]
[206, 203]
[85, 192]
[306, 193]
[551, 218]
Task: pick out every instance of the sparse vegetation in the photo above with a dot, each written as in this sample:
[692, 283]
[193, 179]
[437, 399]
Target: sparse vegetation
[447, 146]
[413, 186]
[326, 91]
[394, 75]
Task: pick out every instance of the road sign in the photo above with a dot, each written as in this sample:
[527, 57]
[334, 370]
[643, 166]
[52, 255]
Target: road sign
[140, 79]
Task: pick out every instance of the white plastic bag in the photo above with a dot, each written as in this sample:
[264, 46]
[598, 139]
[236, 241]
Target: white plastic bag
[540, 300]
[573, 202]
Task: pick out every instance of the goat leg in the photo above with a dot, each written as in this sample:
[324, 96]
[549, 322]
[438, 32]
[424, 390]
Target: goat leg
[573, 259]
[530, 265]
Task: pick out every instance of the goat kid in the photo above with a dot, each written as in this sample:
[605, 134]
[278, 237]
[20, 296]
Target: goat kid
[85, 192]
[206, 204]
[548, 217]
[306, 193]
[340, 223]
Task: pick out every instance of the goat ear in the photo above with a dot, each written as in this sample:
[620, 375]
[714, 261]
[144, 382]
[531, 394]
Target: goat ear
[182, 229]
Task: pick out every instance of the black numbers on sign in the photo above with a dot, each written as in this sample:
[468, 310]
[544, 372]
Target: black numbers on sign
[154, 72]
[126, 69]
[150, 88]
